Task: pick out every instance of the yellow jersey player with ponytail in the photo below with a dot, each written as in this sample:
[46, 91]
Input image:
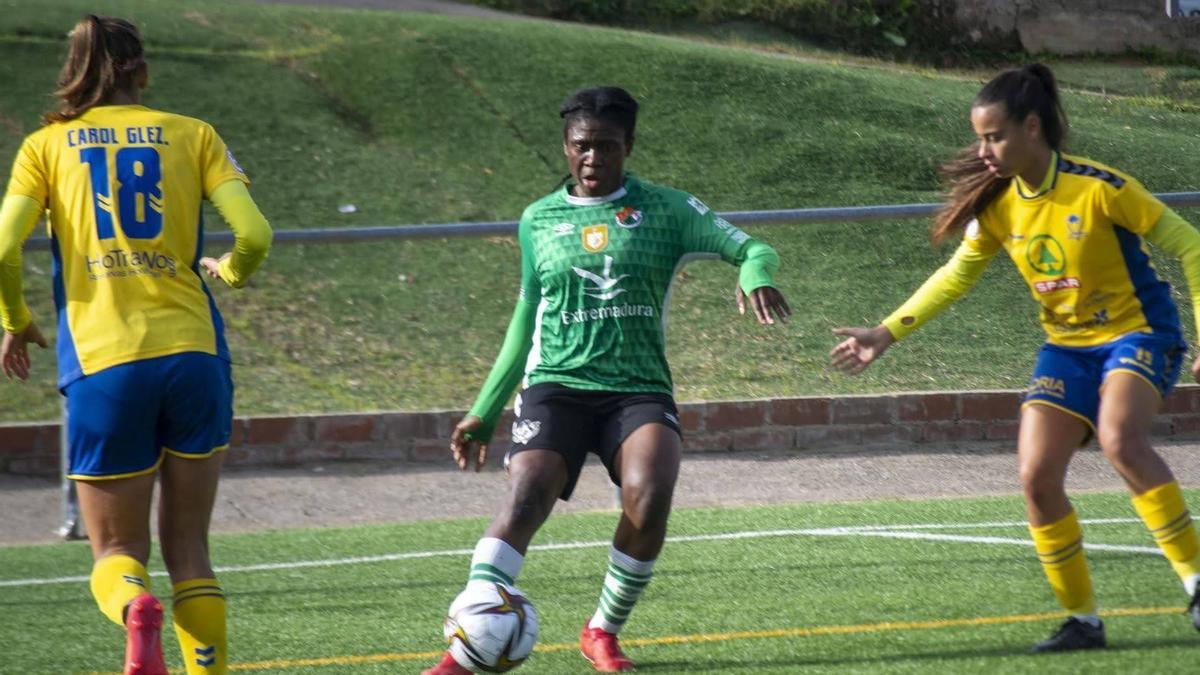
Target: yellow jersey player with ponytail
[141, 348]
[1077, 232]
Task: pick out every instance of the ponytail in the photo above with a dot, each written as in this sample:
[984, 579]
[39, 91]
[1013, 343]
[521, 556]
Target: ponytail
[969, 185]
[970, 188]
[104, 57]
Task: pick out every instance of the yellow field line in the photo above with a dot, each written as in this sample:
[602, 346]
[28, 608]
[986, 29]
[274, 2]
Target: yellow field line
[854, 629]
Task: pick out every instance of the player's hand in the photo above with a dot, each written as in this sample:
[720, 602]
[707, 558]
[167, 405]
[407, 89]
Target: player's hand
[860, 348]
[463, 447]
[765, 301]
[14, 351]
[213, 265]
[1196, 369]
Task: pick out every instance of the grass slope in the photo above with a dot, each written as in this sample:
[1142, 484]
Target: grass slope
[418, 118]
[778, 604]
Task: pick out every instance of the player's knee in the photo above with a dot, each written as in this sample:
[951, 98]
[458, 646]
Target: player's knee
[529, 505]
[1123, 447]
[647, 503]
[1039, 483]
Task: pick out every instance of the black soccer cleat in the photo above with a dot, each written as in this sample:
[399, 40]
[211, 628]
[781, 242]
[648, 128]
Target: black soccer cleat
[1072, 635]
[1193, 609]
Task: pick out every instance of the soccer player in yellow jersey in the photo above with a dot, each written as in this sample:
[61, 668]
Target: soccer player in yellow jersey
[141, 352]
[1076, 230]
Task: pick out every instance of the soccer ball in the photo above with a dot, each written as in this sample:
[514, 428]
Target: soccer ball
[491, 628]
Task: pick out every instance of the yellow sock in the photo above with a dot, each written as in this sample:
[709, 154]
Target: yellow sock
[199, 617]
[1060, 548]
[1163, 511]
[116, 580]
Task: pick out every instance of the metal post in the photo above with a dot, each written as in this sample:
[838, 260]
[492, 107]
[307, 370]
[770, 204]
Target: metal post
[72, 527]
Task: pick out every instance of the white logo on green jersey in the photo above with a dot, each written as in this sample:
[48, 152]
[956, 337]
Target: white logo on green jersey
[563, 229]
[603, 287]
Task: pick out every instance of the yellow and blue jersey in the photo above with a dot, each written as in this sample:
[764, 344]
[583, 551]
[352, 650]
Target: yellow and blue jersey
[1078, 243]
[122, 186]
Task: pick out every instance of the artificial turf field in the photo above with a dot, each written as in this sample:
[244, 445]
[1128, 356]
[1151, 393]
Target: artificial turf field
[892, 586]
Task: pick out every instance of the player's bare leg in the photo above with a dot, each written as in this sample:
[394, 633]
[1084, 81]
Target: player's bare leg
[1047, 440]
[648, 464]
[117, 515]
[1127, 410]
[535, 480]
[189, 490]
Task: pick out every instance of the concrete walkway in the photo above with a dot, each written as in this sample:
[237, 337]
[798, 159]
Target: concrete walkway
[357, 493]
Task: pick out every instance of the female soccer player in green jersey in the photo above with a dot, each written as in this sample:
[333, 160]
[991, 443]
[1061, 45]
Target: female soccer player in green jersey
[1075, 230]
[598, 257]
[141, 348]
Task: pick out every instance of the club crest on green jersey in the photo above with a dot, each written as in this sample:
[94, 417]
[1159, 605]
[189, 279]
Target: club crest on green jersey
[629, 217]
[595, 238]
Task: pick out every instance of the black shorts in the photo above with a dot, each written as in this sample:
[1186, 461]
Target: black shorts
[574, 422]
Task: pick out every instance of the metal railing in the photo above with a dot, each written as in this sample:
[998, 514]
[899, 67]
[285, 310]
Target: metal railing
[342, 235]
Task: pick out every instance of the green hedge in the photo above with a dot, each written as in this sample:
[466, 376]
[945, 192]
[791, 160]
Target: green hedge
[922, 27]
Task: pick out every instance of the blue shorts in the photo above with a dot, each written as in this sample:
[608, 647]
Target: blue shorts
[122, 419]
[1069, 378]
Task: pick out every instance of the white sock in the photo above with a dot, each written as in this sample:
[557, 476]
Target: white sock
[495, 561]
[1190, 583]
[623, 585]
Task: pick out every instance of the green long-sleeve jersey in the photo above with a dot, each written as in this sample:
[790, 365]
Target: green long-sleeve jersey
[597, 274]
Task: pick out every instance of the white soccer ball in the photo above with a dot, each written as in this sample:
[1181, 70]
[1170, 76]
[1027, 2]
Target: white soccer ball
[491, 628]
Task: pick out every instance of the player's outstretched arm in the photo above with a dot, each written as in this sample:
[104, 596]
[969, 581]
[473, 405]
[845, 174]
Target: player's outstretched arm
[758, 265]
[252, 235]
[860, 348]
[765, 302]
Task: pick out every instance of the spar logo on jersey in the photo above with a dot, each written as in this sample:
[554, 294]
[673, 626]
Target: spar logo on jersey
[1044, 287]
[603, 286]
[595, 238]
[1075, 225]
[629, 217]
[1046, 256]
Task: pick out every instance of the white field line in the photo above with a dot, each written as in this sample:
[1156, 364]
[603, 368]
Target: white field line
[889, 531]
[929, 536]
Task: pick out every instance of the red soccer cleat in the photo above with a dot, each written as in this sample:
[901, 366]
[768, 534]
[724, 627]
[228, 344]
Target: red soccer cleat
[447, 666]
[602, 650]
[143, 636]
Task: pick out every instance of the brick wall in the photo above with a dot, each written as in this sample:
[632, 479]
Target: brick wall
[800, 424]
